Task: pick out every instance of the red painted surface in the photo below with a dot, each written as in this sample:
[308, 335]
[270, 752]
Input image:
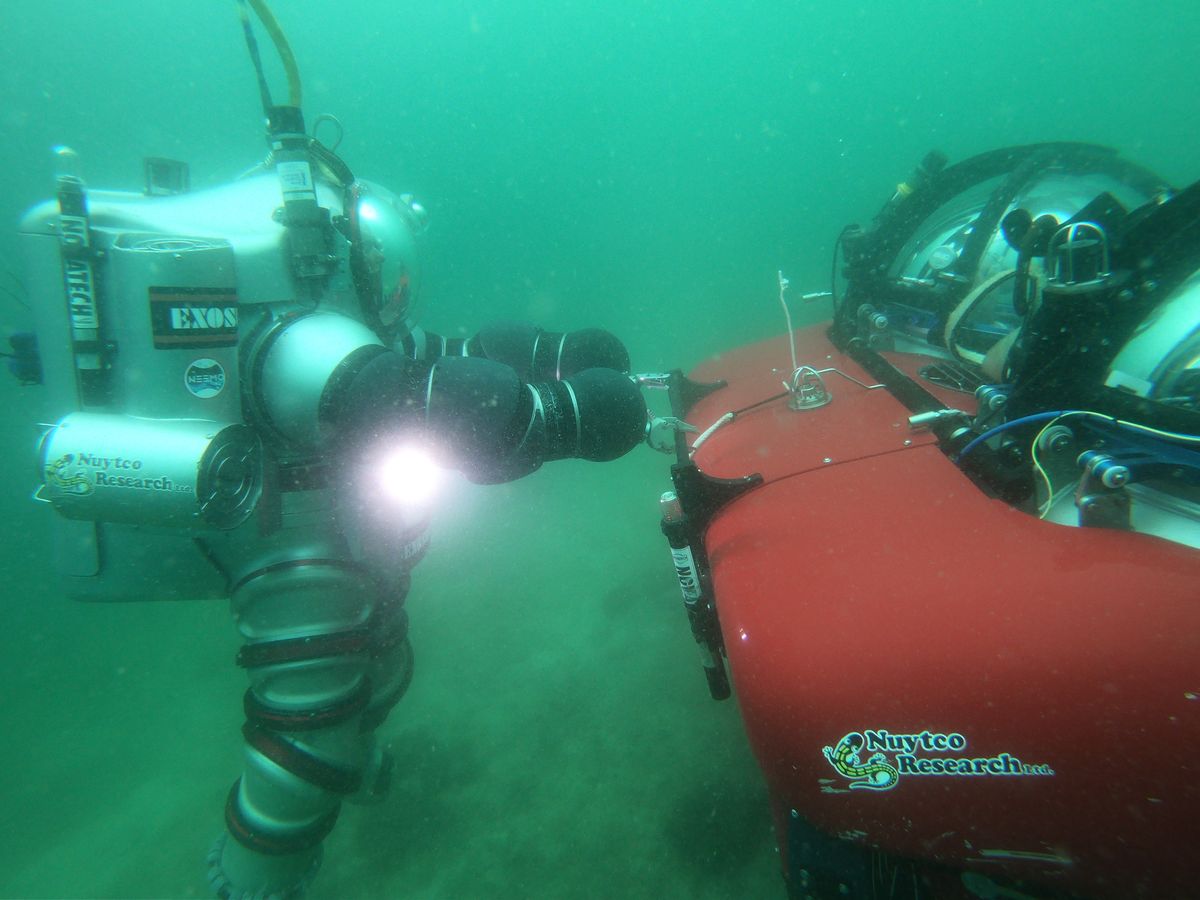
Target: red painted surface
[884, 591]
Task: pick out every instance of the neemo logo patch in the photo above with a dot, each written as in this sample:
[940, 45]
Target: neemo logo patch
[204, 378]
[190, 318]
[923, 753]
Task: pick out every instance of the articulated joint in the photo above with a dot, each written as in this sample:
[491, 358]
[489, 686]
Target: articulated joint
[332, 714]
[271, 843]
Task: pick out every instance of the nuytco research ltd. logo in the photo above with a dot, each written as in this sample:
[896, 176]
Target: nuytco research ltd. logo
[922, 753]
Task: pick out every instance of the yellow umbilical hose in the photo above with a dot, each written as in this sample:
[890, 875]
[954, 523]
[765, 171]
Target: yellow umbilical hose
[263, 11]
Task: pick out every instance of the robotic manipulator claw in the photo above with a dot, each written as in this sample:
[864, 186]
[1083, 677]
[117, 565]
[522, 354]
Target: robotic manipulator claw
[661, 431]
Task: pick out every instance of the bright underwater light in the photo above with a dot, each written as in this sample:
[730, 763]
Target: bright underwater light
[368, 211]
[409, 476]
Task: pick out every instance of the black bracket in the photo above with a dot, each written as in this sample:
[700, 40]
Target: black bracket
[702, 495]
[685, 393]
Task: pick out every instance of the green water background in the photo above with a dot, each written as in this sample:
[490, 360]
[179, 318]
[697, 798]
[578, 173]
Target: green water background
[641, 166]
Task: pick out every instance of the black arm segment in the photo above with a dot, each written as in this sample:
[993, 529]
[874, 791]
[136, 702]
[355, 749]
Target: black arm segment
[481, 418]
[534, 354]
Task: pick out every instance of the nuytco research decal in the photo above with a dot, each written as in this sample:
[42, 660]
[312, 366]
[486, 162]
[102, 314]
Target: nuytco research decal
[191, 317]
[81, 474]
[926, 753]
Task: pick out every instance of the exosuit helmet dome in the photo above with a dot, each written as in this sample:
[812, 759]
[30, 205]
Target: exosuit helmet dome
[383, 230]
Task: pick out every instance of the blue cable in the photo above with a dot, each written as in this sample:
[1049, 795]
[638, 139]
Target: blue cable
[1053, 414]
[1024, 420]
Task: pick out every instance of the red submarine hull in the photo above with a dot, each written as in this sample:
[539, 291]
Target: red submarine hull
[928, 672]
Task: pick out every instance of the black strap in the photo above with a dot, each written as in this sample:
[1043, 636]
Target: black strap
[316, 646]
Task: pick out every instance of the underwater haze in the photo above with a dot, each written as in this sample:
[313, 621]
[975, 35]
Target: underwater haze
[644, 167]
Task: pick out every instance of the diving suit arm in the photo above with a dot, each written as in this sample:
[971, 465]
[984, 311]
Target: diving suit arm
[482, 418]
[535, 354]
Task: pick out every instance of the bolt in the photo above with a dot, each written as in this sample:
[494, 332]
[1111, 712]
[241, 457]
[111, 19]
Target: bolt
[1058, 439]
[1115, 476]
